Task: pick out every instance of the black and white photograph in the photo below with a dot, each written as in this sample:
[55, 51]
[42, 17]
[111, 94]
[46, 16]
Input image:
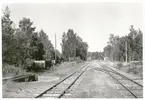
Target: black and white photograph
[72, 49]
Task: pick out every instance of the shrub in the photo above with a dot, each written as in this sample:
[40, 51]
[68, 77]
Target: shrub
[28, 63]
[135, 69]
[78, 60]
[11, 70]
[71, 59]
[48, 64]
[119, 65]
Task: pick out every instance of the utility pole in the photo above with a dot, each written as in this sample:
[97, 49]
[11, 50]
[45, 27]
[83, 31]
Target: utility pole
[55, 48]
[126, 50]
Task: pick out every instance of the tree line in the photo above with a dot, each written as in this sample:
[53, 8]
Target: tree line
[22, 45]
[73, 46]
[120, 48]
[96, 55]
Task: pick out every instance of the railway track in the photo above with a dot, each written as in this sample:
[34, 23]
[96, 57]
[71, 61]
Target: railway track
[124, 83]
[66, 86]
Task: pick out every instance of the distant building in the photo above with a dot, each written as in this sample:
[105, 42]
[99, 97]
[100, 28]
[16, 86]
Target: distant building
[106, 58]
[89, 58]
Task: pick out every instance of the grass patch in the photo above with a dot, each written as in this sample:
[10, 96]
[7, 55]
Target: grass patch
[64, 69]
[135, 68]
[79, 60]
[11, 70]
[119, 65]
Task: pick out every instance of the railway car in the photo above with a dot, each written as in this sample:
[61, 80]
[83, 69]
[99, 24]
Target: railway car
[39, 64]
[44, 64]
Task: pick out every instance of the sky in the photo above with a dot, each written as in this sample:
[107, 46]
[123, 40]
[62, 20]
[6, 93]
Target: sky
[93, 22]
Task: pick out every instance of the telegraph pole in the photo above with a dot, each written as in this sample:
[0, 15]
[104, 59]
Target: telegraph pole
[126, 50]
[55, 48]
